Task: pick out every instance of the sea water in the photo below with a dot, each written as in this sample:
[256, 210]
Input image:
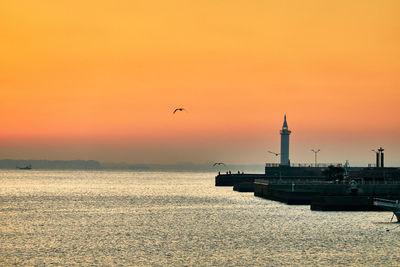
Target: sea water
[124, 218]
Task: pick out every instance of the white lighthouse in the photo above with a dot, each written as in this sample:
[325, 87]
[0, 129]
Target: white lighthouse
[285, 144]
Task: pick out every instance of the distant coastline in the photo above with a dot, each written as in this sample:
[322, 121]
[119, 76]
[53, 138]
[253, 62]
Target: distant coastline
[51, 164]
[96, 165]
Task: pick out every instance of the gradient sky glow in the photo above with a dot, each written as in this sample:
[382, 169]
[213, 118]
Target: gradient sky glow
[100, 79]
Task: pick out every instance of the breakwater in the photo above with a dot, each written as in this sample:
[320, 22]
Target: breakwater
[307, 186]
[237, 179]
[326, 196]
[232, 179]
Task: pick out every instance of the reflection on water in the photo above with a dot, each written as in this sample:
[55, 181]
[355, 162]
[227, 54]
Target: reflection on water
[151, 218]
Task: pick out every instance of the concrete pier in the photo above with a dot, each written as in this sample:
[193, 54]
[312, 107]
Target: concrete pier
[232, 179]
[283, 193]
[244, 187]
[343, 203]
[325, 196]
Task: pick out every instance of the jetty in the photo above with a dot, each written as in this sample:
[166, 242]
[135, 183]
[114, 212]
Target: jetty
[325, 196]
[236, 179]
[325, 187]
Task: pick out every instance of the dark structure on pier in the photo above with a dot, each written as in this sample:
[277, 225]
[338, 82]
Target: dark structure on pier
[323, 186]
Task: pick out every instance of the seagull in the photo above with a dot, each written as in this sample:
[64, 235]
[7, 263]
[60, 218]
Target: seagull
[218, 163]
[178, 109]
[276, 154]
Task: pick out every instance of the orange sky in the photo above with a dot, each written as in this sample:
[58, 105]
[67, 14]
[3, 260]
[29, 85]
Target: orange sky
[99, 79]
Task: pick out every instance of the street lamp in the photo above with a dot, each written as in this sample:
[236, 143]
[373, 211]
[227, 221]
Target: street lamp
[315, 152]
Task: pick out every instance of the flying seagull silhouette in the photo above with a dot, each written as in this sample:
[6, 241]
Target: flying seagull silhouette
[218, 163]
[178, 109]
[276, 154]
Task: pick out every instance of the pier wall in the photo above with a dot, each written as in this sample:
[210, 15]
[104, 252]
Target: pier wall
[232, 179]
[328, 196]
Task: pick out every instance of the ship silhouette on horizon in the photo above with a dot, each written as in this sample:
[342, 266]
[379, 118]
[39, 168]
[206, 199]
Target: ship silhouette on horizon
[28, 167]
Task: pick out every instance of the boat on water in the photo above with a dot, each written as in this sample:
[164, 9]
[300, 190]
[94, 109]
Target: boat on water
[388, 204]
[28, 167]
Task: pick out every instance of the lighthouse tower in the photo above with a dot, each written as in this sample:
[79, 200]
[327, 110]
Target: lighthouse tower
[285, 144]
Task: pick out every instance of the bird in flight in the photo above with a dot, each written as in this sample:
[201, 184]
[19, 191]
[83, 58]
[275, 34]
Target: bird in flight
[276, 154]
[178, 109]
[218, 163]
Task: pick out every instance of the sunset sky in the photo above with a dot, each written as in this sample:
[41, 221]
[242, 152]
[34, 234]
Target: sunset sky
[99, 80]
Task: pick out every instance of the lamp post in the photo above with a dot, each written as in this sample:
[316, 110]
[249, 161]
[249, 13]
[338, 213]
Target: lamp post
[315, 152]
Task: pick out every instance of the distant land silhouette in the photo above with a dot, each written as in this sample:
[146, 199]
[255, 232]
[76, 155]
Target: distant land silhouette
[95, 165]
[51, 164]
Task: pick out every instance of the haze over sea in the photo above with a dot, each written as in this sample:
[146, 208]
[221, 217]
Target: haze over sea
[176, 219]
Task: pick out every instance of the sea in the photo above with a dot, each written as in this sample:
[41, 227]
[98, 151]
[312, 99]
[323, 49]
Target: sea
[127, 218]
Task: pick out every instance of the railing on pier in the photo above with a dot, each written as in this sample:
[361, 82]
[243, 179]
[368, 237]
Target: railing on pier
[305, 165]
[292, 180]
[302, 180]
[274, 165]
